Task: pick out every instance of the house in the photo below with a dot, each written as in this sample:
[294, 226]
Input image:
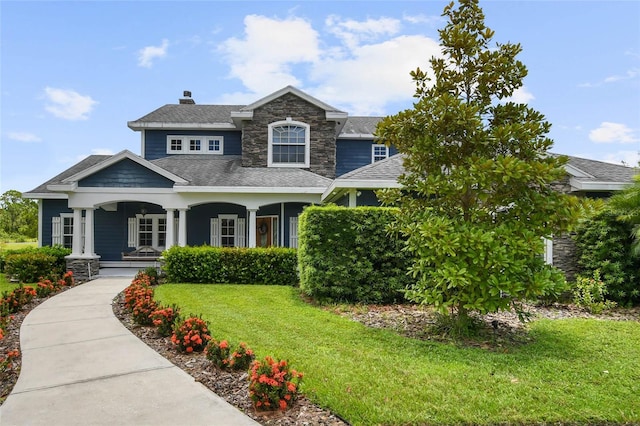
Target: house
[230, 176]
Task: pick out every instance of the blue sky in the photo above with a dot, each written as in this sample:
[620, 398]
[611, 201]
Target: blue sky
[73, 73]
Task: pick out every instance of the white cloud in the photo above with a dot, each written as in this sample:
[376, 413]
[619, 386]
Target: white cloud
[364, 71]
[613, 133]
[24, 137]
[521, 96]
[352, 33]
[631, 74]
[263, 58]
[68, 104]
[628, 158]
[431, 20]
[147, 54]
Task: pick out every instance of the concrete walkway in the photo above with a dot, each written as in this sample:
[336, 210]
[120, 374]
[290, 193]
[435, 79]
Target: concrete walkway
[81, 366]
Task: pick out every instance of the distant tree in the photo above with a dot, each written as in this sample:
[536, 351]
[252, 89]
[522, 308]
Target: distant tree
[476, 197]
[18, 215]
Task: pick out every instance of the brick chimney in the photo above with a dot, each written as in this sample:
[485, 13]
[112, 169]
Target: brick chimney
[186, 98]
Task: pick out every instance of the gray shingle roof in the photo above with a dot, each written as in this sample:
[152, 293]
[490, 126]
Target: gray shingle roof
[190, 114]
[209, 170]
[602, 171]
[76, 168]
[360, 126]
[387, 169]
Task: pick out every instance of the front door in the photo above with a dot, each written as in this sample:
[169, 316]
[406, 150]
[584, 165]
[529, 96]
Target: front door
[266, 231]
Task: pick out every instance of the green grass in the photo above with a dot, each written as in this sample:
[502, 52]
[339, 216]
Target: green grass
[14, 245]
[5, 285]
[575, 371]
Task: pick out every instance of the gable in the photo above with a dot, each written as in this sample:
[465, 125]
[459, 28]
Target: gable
[126, 174]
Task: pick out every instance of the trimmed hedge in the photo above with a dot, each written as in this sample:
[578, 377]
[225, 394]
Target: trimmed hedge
[274, 265]
[29, 264]
[347, 255]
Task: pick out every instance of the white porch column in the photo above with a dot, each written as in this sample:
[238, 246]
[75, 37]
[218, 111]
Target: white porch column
[170, 237]
[76, 246]
[182, 227]
[353, 197]
[252, 227]
[88, 233]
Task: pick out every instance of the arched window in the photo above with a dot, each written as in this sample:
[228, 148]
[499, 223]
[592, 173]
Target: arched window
[288, 144]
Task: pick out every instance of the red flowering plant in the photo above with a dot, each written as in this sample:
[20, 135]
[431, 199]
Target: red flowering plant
[138, 289]
[273, 385]
[143, 308]
[45, 287]
[241, 358]
[218, 353]
[164, 318]
[19, 297]
[67, 279]
[6, 362]
[191, 335]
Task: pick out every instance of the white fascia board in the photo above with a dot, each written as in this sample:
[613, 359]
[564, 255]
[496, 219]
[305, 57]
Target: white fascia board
[295, 91]
[579, 185]
[336, 115]
[134, 125]
[367, 136]
[339, 185]
[45, 196]
[117, 190]
[118, 157]
[251, 189]
[63, 187]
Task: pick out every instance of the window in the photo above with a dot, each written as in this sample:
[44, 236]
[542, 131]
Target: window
[288, 144]
[195, 145]
[67, 231]
[379, 152]
[228, 230]
[152, 230]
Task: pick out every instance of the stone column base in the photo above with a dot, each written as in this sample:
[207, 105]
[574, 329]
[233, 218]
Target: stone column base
[83, 268]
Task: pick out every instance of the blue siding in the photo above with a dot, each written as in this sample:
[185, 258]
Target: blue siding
[199, 220]
[368, 197]
[50, 209]
[352, 154]
[156, 141]
[291, 210]
[126, 174]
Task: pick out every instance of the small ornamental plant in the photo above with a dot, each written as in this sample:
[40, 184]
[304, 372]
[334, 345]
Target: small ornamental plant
[191, 335]
[6, 362]
[67, 279]
[164, 318]
[218, 353]
[44, 288]
[241, 358]
[273, 385]
[136, 291]
[144, 307]
[590, 293]
[19, 297]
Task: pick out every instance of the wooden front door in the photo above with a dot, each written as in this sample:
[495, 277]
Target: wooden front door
[266, 231]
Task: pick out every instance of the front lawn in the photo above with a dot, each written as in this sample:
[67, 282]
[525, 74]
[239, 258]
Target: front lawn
[577, 371]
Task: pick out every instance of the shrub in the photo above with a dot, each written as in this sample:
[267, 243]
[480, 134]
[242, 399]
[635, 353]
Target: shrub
[603, 243]
[67, 279]
[164, 318]
[19, 297]
[241, 358]
[273, 385]
[28, 267]
[590, 294]
[274, 265]
[346, 255]
[138, 289]
[45, 287]
[218, 353]
[191, 335]
[149, 275]
[6, 362]
[144, 306]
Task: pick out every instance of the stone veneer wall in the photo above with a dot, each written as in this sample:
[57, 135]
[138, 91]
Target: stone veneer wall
[84, 269]
[564, 247]
[255, 133]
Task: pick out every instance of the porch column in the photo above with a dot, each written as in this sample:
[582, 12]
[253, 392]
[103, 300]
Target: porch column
[88, 233]
[76, 242]
[170, 226]
[252, 227]
[353, 197]
[182, 227]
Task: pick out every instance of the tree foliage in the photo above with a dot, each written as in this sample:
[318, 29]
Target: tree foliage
[18, 215]
[627, 205]
[476, 196]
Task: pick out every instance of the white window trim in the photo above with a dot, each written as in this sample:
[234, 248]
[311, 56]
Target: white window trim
[155, 229]
[64, 216]
[235, 229]
[186, 144]
[373, 152]
[307, 144]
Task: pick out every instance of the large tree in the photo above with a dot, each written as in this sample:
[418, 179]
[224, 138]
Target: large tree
[18, 215]
[476, 196]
